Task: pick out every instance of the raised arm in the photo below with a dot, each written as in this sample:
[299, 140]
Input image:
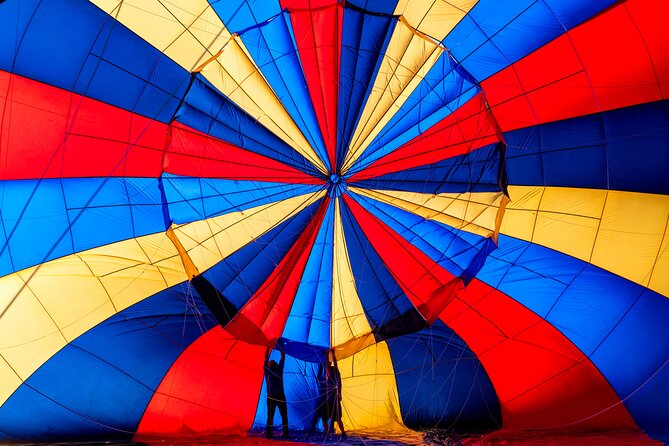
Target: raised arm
[283, 357]
[267, 352]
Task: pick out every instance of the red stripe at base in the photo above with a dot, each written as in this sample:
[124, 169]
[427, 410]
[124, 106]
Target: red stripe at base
[212, 387]
[542, 380]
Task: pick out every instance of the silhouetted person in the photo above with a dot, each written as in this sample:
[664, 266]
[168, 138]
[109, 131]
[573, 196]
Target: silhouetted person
[322, 412]
[329, 386]
[275, 394]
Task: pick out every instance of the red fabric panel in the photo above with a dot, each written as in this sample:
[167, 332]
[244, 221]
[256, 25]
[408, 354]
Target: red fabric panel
[318, 35]
[561, 437]
[542, 380]
[467, 128]
[616, 59]
[429, 286]
[212, 387]
[48, 132]
[193, 153]
[263, 317]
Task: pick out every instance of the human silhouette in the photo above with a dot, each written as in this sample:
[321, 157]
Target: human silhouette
[275, 394]
[329, 385]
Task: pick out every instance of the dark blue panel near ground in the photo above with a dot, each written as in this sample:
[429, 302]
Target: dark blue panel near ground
[241, 274]
[441, 382]
[643, 377]
[624, 149]
[364, 40]
[620, 325]
[86, 51]
[207, 110]
[477, 171]
[51, 218]
[495, 34]
[109, 366]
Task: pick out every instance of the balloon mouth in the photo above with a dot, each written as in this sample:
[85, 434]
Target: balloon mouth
[336, 185]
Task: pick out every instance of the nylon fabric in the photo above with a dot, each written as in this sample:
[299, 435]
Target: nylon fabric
[407, 60]
[598, 226]
[194, 37]
[348, 318]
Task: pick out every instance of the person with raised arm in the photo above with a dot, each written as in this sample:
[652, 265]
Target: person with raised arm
[276, 396]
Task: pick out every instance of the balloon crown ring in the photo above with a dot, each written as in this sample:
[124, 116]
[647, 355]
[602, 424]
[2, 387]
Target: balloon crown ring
[336, 185]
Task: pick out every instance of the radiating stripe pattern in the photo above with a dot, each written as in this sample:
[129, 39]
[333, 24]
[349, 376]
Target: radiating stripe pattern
[463, 204]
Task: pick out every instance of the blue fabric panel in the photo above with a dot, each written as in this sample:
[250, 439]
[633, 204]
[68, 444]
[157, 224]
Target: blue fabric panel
[377, 6]
[623, 149]
[190, 199]
[51, 218]
[364, 40]
[145, 205]
[441, 383]
[635, 358]
[118, 365]
[310, 315]
[240, 275]
[438, 241]
[273, 49]
[609, 318]
[533, 275]
[382, 298]
[637, 148]
[496, 33]
[476, 171]
[207, 110]
[35, 221]
[88, 52]
[442, 91]
[299, 383]
[237, 15]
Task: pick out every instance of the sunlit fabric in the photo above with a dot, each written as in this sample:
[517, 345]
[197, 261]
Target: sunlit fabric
[464, 202]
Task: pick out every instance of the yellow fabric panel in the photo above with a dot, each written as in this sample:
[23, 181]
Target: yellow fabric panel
[354, 345]
[49, 305]
[370, 400]
[633, 227]
[209, 241]
[192, 34]
[658, 278]
[57, 301]
[66, 297]
[471, 212]
[126, 269]
[434, 18]
[10, 381]
[348, 319]
[406, 61]
[622, 232]
[28, 335]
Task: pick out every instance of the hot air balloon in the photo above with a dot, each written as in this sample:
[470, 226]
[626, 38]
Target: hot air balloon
[465, 202]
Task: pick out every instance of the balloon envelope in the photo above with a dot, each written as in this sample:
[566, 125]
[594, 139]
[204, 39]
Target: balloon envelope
[464, 202]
